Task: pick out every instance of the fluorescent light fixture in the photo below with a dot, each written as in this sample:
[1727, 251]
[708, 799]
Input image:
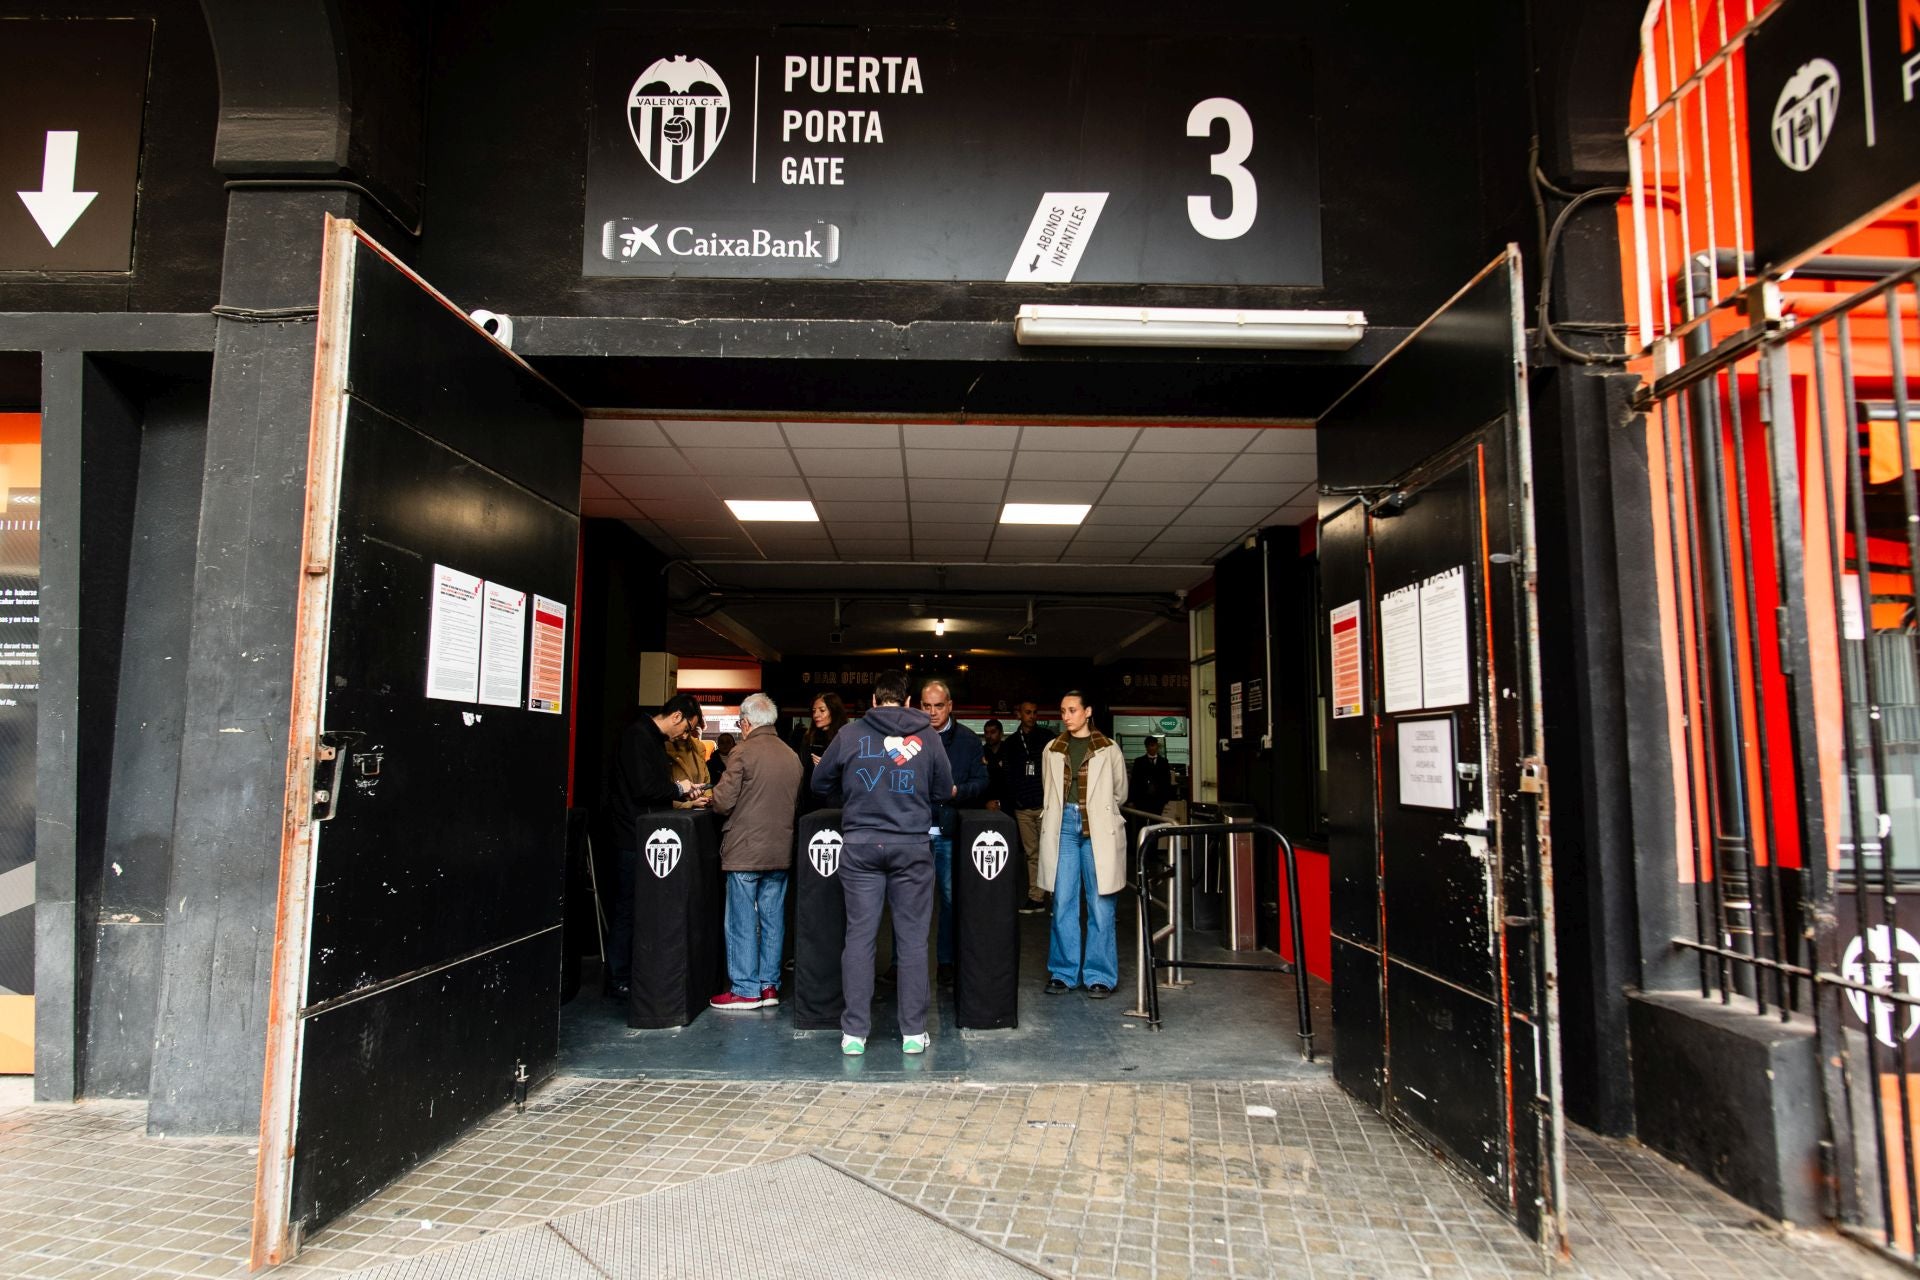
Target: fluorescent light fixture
[1044, 512]
[1067, 326]
[755, 509]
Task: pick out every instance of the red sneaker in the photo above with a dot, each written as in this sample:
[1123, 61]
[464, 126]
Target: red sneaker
[731, 1003]
[769, 995]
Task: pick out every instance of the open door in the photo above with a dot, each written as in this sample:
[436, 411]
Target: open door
[417, 959]
[1443, 949]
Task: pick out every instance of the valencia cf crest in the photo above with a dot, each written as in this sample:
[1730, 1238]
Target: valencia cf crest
[1804, 114]
[990, 854]
[677, 112]
[824, 852]
[663, 851]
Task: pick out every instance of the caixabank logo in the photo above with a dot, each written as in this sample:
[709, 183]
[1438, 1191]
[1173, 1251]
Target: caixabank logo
[653, 241]
[677, 113]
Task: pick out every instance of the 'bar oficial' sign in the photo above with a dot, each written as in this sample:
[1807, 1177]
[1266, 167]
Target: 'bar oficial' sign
[916, 155]
[1833, 120]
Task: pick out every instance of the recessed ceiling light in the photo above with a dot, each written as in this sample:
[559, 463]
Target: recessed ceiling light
[1045, 512]
[939, 626]
[755, 509]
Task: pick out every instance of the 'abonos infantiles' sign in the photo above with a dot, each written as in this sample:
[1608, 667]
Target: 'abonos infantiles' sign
[916, 155]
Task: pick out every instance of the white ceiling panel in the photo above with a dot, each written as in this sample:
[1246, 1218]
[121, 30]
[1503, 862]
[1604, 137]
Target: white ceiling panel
[1118, 534]
[842, 435]
[1097, 438]
[848, 513]
[1212, 535]
[1285, 440]
[787, 488]
[596, 486]
[949, 548]
[719, 462]
[607, 508]
[1194, 439]
[725, 435]
[829, 489]
[1204, 512]
[625, 431]
[1226, 494]
[683, 509]
[1169, 493]
[862, 549]
[1270, 468]
[695, 527]
[1055, 490]
[972, 513]
[1082, 465]
[959, 435]
[1113, 513]
[638, 487]
[940, 529]
[619, 460]
[870, 530]
[921, 489]
[1171, 466]
[849, 462]
[968, 464]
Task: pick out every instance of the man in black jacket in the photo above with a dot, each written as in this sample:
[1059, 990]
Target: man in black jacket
[1151, 785]
[641, 780]
[889, 768]
[968, 760]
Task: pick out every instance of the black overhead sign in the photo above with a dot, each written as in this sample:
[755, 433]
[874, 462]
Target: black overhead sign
[1833, 125]
[72, 97]
[916, 155]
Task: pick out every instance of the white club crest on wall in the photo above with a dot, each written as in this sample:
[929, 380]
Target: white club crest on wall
[677, 113]
[1804, 113]
[823, 851]
[989, 854]
[663, 851]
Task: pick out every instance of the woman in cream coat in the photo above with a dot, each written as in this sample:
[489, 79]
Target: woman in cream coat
[1083, 852]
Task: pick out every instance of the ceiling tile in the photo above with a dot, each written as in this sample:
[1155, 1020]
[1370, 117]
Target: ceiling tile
[862, 549]
[639, 487]
[842, 435]
[1111, 512]
[694, 527]
[1271, 468]
[720, 462]
[957, 464]
[1213, 535]
[839, 513]
[1055, 533]
[726, 435]
[773, 487]
[875, 490]
[872, 530]
[1193, 439]
[614, 508]
[1295, 515]
[973, 513]
[1204, 512]
[949, 549]
[1099, 553]
[922, 490]
[849, 462]
[1119, 533]
[683, 509]
[1077, 438]
[1055, 490]
[1251, 495]
[1170, 466]
[1024, 551]
[1031, 465]
[1123, 494]
[594, 486]
[1284, 440]
[1182, 553]
[615, 460]
[940, 529]
[625, 431]
[959, 435]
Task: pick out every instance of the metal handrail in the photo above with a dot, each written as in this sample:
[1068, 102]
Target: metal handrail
[1143, 879]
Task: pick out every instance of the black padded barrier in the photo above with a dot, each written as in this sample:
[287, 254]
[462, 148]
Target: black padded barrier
[819, 923]
[987, 890]
[679, 902]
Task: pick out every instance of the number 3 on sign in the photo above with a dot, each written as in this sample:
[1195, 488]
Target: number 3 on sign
[1243, 197]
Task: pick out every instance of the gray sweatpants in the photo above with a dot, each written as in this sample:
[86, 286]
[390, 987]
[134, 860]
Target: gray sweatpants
[892, 873]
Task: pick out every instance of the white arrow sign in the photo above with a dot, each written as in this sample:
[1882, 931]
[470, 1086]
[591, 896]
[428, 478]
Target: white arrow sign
[56, 206]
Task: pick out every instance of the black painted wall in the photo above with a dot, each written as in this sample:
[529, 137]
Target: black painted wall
[622, 614]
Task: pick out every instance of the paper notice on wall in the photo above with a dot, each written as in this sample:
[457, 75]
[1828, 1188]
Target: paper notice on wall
[453, 636]
[547, 667]
[1400, 649]
[1446, 673]
[503, 645]
[1343, 625]
[1426, 763]
[1853, 611]
[1236, 710]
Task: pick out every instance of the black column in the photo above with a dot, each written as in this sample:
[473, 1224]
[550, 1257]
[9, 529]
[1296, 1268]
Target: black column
[819, 923]
[987, 891]
[679, 953]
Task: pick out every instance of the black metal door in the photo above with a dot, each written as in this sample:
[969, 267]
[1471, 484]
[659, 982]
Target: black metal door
[1442, 929]
[417, 966]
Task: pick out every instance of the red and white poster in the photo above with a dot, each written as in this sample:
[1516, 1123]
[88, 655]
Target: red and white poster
[547, 668]
[1344, 625]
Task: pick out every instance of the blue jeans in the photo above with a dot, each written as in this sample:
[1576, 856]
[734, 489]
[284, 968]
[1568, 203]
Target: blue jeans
[756, 926]
[943, 884]
[1071, 876]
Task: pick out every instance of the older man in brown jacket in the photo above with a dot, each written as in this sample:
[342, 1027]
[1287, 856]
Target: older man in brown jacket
[757, 795]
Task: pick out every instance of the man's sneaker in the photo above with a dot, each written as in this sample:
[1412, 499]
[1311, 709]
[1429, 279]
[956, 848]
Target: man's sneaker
[769, 995]
[914, 1044]
[727, 1002]
[1032, 907]
[853, 1046]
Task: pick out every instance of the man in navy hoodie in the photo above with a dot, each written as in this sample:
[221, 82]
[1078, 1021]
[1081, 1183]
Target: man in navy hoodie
[889, 769]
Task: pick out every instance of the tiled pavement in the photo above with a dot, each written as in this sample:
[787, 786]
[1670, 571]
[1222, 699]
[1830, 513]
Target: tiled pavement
[1104, 1180]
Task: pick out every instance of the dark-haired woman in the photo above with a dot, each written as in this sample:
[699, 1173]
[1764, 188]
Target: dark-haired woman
[829, 714]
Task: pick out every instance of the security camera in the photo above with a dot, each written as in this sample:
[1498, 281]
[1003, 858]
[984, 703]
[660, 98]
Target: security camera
[836, 637]
[1030, 639]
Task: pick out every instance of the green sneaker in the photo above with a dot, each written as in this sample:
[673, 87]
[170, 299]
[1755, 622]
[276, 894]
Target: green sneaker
[915, 1044]
[853, 1046]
